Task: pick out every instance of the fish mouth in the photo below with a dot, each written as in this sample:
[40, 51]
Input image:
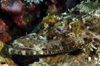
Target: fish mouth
[32, 52]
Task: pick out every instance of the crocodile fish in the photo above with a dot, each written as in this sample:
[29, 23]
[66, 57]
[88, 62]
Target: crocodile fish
[28, 45]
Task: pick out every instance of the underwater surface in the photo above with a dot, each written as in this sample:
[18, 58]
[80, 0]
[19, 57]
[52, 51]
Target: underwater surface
[49, 33]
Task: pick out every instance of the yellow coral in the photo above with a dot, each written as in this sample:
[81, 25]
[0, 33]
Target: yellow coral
[48, 20]
[6, 61]
[51, 10]
[76, 25]
[1, 45]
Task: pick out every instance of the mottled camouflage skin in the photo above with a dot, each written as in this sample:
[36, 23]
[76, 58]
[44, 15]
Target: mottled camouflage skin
[36, 46]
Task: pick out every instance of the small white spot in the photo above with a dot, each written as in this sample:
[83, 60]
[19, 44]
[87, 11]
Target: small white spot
[37, 47]
[43, 38]
[96, 58]
[23, 52]
[74, 19]
[87, 27]
[20, 44]
[64, 13]
[41, 52]
[34, 52]
[32, 34]
[89, 58]
[15, 42]
[58, 18]
[27, 38]
[98, 15]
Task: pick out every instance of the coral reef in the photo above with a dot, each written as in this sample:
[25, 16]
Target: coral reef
[4, 36]
[64, 39]
[16, 12]
[5, 61]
